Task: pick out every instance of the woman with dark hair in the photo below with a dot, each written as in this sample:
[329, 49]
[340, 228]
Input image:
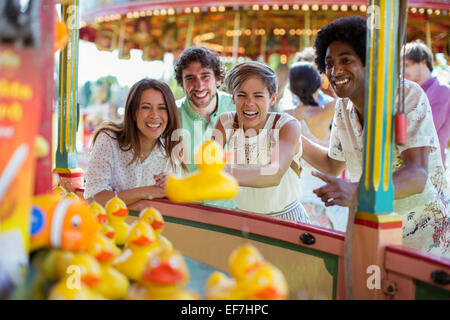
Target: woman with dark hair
[131, 159]
[315, 119]
[305, 82]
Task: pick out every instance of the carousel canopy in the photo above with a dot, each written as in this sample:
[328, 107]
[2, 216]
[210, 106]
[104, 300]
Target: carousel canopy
[249, 29]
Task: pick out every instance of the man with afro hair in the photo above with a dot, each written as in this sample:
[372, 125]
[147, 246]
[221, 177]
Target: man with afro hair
[421, 194]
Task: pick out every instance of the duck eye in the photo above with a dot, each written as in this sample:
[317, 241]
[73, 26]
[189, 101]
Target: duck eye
[75, 221]
[97, 247]
[174, 263]
[262, 281]
[155, 262]
[138, 232]
[150, 219]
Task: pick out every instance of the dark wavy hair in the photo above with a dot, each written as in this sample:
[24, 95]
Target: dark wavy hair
[206, 57]
[351, 30]
[304, 81]
[127, 132]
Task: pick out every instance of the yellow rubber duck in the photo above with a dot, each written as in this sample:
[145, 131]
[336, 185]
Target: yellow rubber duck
[208, 183]
[56, 263]
[140, 241]
[164, 278]
[265, 283]
[71, 195]
[219, 286]
[243, 260]
[59, 191]
[102, 218]
[113, 284]
[156, 221]
[80, 280]
[117, 212]
[252, 277]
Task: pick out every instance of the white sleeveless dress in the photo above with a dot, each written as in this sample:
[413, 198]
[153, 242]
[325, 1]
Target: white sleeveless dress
[279, 201]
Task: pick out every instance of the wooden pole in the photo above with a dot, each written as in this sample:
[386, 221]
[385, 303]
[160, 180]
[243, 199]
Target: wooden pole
[375, 225]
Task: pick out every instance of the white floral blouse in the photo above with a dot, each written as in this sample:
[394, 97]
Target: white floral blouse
[426, 215]
[108, 167]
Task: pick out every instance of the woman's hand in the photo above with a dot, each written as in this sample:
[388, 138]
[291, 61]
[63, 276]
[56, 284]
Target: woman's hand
[155, 192]
[161, 179]
[140, 205]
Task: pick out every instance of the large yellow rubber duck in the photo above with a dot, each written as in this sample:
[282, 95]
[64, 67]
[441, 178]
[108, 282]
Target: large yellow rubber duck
[117, 212]
[113, 284]
[80, 281]
[155, 219]
[102, 218]
[164, 278]
[140, 241]
[208, 183]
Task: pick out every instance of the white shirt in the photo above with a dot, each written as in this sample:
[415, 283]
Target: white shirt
[258, 151]
[108, 167]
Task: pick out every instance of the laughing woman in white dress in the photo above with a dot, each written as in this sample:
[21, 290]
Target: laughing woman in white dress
[266, 146]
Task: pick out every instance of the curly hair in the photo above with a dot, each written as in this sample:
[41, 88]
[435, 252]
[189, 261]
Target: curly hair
[206, 57]
[351, 30]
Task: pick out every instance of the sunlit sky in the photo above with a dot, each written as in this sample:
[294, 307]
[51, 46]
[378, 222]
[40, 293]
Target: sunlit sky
[94, 64]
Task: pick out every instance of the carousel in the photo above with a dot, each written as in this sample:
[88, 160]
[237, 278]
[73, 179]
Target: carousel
[40, 233]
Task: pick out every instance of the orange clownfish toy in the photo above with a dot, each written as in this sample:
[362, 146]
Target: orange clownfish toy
[66, 224]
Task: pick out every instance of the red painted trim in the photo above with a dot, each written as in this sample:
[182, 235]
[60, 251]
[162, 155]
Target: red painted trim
[417, 254]
[70, 175]
[296, 225]
[376, 225]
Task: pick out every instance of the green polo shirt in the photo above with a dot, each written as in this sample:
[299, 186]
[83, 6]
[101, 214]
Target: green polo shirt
[196, 131]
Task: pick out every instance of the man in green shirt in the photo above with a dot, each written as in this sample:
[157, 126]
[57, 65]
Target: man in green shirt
[199, 72]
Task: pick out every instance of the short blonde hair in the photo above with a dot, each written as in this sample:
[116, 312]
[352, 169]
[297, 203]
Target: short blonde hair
[243, 71]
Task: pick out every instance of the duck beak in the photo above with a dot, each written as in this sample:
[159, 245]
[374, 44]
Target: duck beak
[142, 241]
[163, 274]
[110, 234]
[156, 225]
[102, 218]
[104, 256]
[253, 267]
[121, 212]
[91, 280]
[269, 293]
